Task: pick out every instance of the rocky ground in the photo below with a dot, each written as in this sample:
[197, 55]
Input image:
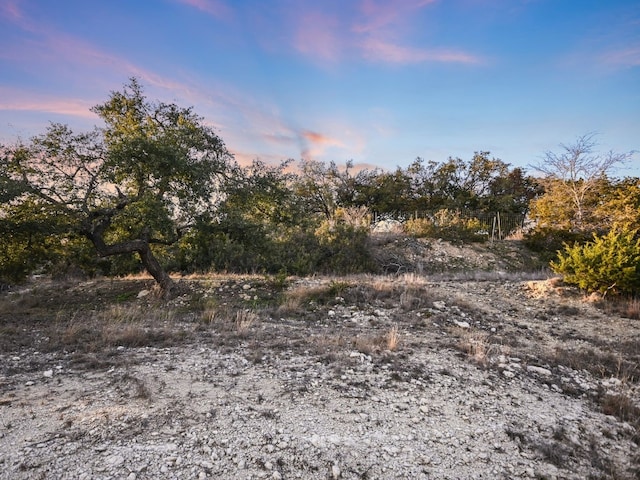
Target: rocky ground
[491, 374]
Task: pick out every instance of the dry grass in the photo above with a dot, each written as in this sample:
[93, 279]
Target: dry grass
[622, 407]
[328, 344]
[413, 279]
[372, 344]
[120, 314]
[601, 364]
[228, 319]
[369, 344]
[209, 310]
[474, 344]
[411, 299]
[624, 307]
[244, 320]
[632, 309]
[299, 297]
[302, 297]
[393, 338]
[95, 336]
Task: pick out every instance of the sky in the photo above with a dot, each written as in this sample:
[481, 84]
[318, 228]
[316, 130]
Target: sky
[376, 82]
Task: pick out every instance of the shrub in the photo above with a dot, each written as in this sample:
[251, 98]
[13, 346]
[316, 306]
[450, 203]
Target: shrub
[609, 263]
[448, 225]
[549, 241]
[343, 249]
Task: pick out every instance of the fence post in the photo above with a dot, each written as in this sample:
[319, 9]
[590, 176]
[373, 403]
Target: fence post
[493, 228]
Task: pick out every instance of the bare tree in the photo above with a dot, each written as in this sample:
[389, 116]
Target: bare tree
[578, 169]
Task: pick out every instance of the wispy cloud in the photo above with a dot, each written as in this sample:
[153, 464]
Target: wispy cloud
[319, 138]
[15, 100]
[214, 8]
[315, 144]
[376, 31]
[380, 14]
[379, 50]
[59, 52]
[307, 144]
[624, 57]
[10, 9]
[317, 35]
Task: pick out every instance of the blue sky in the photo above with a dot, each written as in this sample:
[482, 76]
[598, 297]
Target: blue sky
[373, 81]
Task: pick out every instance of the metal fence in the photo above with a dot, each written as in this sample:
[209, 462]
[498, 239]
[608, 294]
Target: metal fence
[498, 226]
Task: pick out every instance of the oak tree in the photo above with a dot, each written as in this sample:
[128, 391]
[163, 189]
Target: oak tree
[138, 181]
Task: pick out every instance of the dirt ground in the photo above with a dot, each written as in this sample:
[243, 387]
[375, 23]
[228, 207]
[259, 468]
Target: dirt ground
[487, 368]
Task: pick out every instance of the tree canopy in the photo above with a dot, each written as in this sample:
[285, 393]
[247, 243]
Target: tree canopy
[573, 178]
[140, 180]
[155, 187]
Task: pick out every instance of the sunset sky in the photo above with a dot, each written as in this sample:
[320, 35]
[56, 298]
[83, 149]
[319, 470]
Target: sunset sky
[373, 81]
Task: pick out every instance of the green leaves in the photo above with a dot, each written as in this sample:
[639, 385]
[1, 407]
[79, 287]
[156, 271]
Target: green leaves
[610, 263]
[139, 180]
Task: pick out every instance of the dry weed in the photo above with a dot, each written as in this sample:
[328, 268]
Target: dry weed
[229, 320]
[393, 337]
[296, 299]
[622, 407]
[124, 335]
[367, 344]
[381, 286]
[328, 343]
[632, 309]
[76, 332]
[625, 307]
[119, 313]
[244, 320]
[599, 363]
[376, 343]
[546, 288]
[516, 235]
[209, 310]
[476, 345]
[409, 299]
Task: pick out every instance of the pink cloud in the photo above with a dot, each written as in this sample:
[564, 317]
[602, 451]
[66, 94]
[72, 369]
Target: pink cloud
[380, 14]
[21, 101]
[379, 50]
[314, 144]
[375, 32]
[628, 57]
[316, 35]
[212, 7]
[11, 10]
[61, 51]
[318, 138]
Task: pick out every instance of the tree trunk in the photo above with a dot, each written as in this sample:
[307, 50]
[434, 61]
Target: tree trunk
[168, 288]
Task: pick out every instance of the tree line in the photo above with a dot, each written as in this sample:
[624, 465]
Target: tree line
[156, 189]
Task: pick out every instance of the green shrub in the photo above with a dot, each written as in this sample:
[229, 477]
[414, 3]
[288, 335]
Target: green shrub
[448, 225]
[343, 249]
[549, 241]
[609, 263]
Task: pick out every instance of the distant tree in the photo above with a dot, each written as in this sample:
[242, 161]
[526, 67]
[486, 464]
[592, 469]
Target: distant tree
[575, 172]
[390, 192]
[513, 192]
[138, 182]
[481, 184]
[619, 206]
[316, 184]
